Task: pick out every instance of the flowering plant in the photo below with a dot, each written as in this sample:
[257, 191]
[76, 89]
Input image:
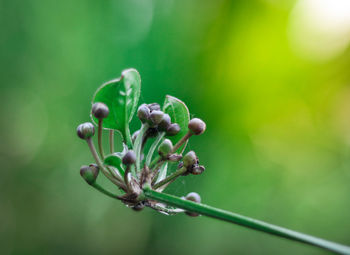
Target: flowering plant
[141, 176]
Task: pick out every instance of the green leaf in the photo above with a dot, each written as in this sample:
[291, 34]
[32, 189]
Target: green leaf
[179, 114]
[121, 95]
[115, 160]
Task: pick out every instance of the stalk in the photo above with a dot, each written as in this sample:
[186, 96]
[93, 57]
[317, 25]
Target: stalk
[99, 137]
[245, 221]
[111, 141]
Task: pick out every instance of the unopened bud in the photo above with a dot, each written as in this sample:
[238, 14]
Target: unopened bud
[194, 197]
[196, 126]
[190, 159]
[165, 147]
[129, 158]
[156, 117]
[164, 123]
[173, 129]
[143, 113]
[154, 107]
[85, 130]
[100, 110]
[89, 173]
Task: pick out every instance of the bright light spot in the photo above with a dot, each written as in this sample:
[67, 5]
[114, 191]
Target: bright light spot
[320, 29]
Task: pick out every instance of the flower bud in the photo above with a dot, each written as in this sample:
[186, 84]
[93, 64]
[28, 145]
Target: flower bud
[196, 169]
[164, 123]
[196, 126]
[190, 159]
[165, 147]
[151, 132]
[154, 107]
[100, 110]
[129, 158]
[194, 197]
[89, 173]
[143, 113]
[156, 117]
[173, 129]
[85, 130]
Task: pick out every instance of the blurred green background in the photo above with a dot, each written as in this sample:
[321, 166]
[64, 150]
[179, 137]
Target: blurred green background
[270, 78]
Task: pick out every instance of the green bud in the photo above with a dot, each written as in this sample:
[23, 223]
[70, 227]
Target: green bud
[85, 130]
[164, 123]
[100, 110]
[129, 158]
[165, 147]
[154, 107]
[156, 117]
[89, 173]
[190, 159]
[143, 113]
[196, 126]
[194, 197]
[173, 129]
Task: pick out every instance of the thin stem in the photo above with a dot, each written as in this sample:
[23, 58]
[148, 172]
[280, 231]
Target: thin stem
[126, 178]
[102, 190]
[100, 164]
[154, 161]
[181, 142]
[111, 141]
[127, 136]
[170, 178]
[245, 221]
[153, 147]
[138, 145]
[99, 137]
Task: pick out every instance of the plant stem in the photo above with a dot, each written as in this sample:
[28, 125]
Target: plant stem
[99, 137]
[244, 221]
[170, 178]
[102, 190]
[138, 145]
[153, 147]
[100, 164]
[111, 141]
[181, 142]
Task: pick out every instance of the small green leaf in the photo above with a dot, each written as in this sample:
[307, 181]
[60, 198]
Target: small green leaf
[121, 95]
[115, 160]
[179, 114]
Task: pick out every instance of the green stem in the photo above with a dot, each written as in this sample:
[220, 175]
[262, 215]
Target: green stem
[181, 141]
[100, 163]
[102, 190]
[99, 138]
[245, 221]
[170, 178]
[111, 141]
[153, 147]
[138, 145]
[127, 136]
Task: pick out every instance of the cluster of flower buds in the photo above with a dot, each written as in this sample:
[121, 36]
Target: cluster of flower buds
[156, 119]
[133, 175]
[191, 163]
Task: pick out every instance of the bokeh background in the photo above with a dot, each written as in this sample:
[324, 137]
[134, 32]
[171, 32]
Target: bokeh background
[271, 79]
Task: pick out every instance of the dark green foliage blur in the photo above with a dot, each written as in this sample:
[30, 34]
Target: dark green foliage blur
[277, 145]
